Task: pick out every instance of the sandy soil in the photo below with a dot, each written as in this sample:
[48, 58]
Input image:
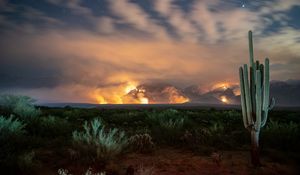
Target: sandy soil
[176, 162]
[180, 162]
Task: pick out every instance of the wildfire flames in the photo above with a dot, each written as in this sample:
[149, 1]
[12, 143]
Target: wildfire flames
[224, 99]
[223, 86]
[175, 97]
[119, 95]
[144, 100]
[133, 92]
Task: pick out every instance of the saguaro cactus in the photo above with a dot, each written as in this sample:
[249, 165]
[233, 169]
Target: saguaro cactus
[255, 99]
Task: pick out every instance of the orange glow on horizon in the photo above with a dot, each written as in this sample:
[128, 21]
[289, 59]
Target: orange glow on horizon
[223, 85]
[101, 100]
[129, 93]
[130, 86]
[120, 94]
[224, 99]
[144, 100]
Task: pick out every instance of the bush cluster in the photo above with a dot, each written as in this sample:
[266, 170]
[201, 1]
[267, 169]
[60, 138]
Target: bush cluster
[22, 106]
[141, 143]
[25, 130]
[103, 143]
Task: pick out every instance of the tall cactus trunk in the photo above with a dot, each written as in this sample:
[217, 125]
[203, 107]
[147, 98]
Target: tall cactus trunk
[255, 99]
[255, 148]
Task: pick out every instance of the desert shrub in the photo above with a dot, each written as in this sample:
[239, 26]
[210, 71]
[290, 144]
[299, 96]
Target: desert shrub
[25, 110]
[141, 170]
[62, 171]
[88, 172]
[120, 118]
[202, 135]
[22, 106]
[167, 119]
[48, 126]
[9, 101]
[232, 118]
[240, 137]
[167, 126]
[219, 137]
[103, 144]
[214, 136]
[11, 140]
[141, 143]
[171, 124]
[217, 129]
[281, 135]
[10, 126]
[157, 116]
[27, 162]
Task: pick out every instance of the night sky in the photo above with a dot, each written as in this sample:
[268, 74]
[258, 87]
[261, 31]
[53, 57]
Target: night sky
[142, 51]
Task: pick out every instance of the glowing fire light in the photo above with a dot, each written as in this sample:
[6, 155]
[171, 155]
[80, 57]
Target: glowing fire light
[129, 88]
[101, 100]
[141, 96]
[223, 85]
[144, 100]
[224, 99]
[131, 93]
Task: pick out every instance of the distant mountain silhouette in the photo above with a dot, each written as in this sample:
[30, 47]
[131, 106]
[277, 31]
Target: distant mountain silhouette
[286, 93]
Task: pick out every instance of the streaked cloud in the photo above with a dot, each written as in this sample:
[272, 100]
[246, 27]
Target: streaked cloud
[97, 49]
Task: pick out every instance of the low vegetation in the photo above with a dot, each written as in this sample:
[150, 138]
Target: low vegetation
[101, 143]
[88, 172]
[11, 135]
[77, 139]
[22, 106]
[141, 143]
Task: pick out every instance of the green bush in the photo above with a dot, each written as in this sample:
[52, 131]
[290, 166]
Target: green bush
[141, 143]
[88, 172]
[281, 135]
[168, 119]
[11, 140]
[217, 136]
[95, 139]
[10, 126]
[27, 162]
[22, 106]
[167, 126]
[49, 126]
[172, 123]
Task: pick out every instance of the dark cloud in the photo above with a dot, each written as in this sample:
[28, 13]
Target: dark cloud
[29, 72]
[93, 51]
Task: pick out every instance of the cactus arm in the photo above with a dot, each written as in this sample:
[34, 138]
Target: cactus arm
[266, 92]
[257, 65]
[243, 100]
[247, 95]
[258, 101]
[261, 68]
[252, 87]
[251, 49]
[265, 114]
[252, 71]
[266, 85]
[271, 106]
